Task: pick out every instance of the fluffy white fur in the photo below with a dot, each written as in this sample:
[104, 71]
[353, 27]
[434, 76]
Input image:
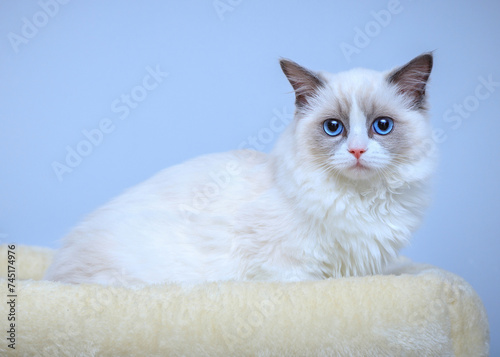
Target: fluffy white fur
[307, 210]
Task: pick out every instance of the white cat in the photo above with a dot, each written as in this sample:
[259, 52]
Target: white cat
[340, 194]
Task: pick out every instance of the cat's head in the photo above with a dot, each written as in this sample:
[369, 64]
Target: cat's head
[363, 124]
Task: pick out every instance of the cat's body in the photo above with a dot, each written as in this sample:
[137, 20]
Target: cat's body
[318, 206]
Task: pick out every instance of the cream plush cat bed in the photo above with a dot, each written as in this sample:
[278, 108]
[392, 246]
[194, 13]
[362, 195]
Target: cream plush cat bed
[424, 312]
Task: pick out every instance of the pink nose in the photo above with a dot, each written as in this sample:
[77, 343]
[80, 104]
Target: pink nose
[357, 152]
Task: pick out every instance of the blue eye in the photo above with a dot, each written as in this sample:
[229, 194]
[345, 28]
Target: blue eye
[333, 127]
[383, 125]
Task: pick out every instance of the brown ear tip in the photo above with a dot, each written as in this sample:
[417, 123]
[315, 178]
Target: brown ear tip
[285, 63]
[428, 57]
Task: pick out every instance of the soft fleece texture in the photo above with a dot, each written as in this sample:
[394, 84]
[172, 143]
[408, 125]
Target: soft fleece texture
[424, 312]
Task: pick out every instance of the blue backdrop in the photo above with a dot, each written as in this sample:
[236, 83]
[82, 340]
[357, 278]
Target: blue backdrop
[98, 96]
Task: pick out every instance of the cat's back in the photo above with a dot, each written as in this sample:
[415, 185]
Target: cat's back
[199, 185]
[182, 207]
[207, 178]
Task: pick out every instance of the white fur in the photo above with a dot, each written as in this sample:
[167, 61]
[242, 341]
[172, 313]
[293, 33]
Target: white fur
[279, 216]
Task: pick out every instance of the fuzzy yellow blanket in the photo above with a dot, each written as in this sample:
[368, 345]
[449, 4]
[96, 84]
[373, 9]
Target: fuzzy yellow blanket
[424, 312]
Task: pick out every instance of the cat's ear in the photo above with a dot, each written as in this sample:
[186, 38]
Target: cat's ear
[411, 79]
[304, 82]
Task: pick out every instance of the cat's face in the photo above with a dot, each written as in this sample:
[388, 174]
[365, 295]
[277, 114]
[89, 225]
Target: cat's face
[361, 124]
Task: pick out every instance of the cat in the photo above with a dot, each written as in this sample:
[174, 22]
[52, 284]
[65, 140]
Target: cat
[339, 195]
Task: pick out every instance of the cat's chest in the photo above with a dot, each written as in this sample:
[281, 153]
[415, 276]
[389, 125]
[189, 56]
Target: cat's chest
[360, 214]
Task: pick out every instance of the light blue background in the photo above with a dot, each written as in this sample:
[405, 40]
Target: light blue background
[224, 84]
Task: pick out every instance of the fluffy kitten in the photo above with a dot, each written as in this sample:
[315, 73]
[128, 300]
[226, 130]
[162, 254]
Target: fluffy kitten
[339, 195]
